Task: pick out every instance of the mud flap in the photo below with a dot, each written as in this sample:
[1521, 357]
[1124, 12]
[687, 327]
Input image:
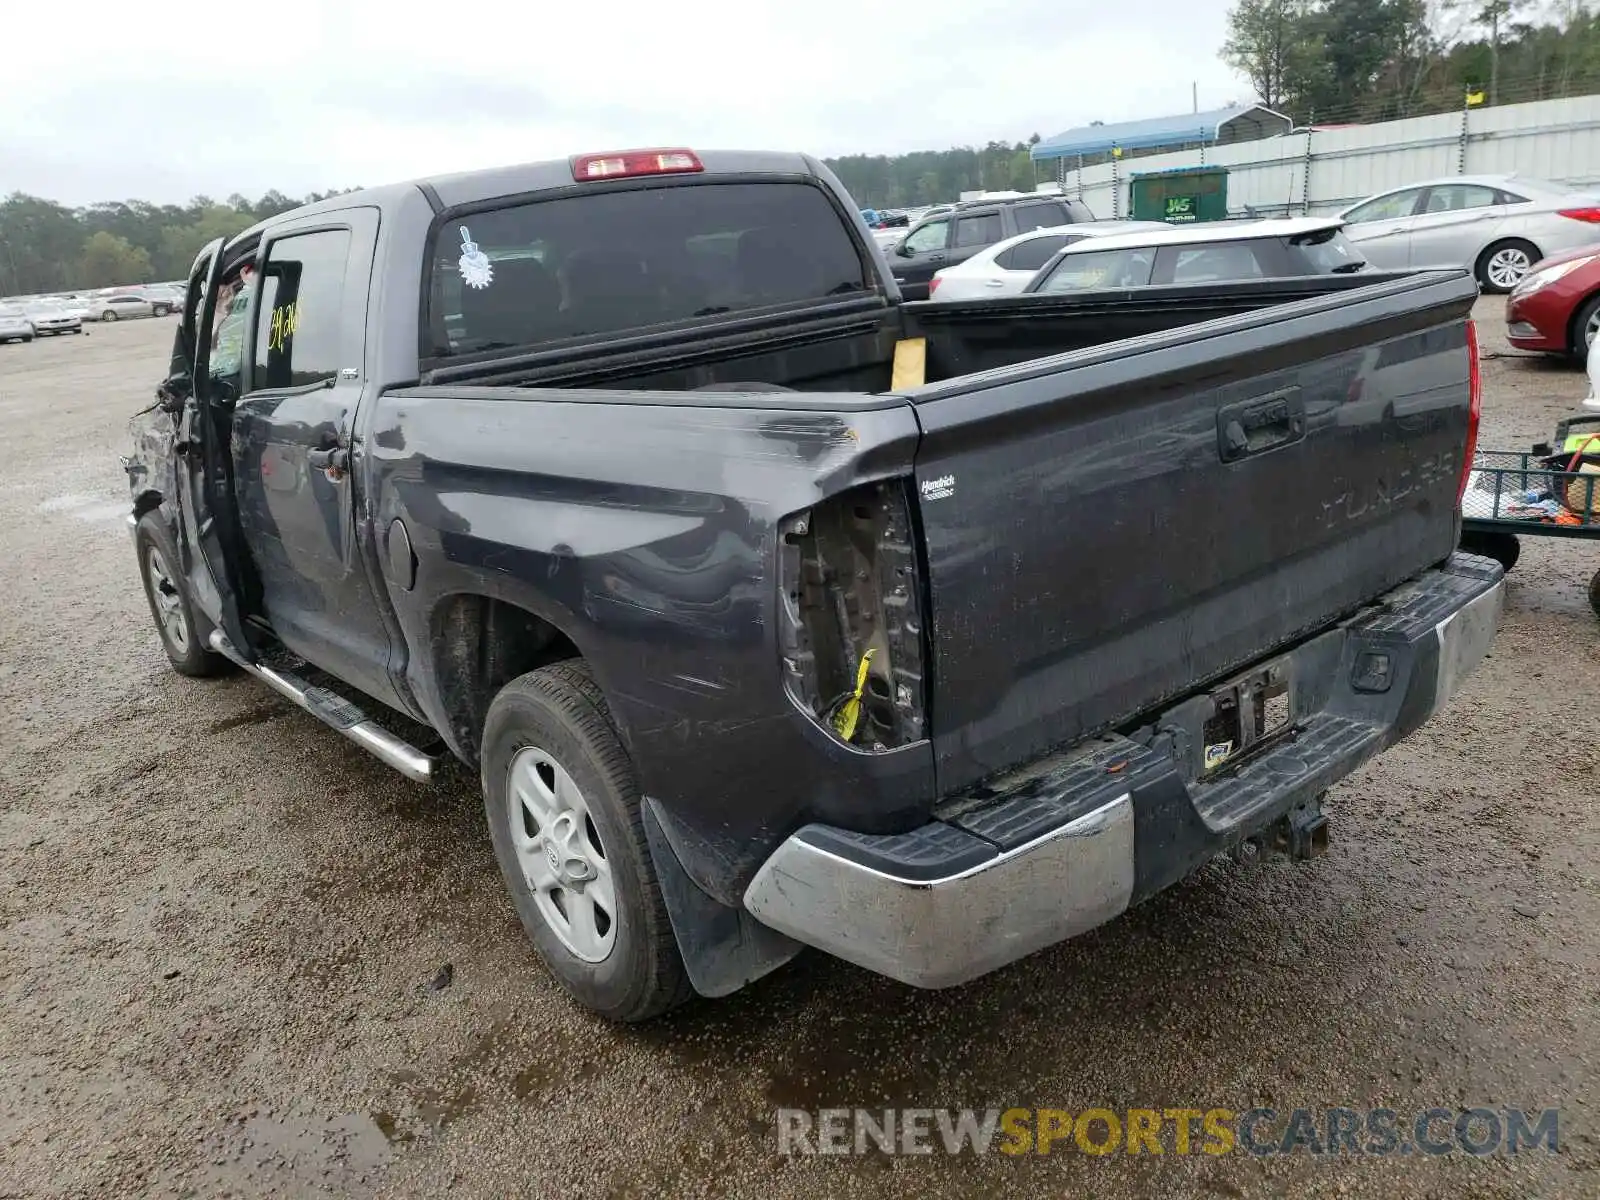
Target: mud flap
[723, 948]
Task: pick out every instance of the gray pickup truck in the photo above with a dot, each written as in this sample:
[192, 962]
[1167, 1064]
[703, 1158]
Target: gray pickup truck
[773, 611]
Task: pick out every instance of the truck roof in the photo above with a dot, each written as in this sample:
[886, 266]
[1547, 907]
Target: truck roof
[466, 187]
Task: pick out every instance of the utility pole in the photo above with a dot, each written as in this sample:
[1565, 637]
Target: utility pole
[1194, 94]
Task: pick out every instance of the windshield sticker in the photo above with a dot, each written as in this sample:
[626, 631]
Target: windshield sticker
[476, 269]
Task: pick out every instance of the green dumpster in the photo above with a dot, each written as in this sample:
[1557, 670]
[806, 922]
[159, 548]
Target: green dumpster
[1182, 195]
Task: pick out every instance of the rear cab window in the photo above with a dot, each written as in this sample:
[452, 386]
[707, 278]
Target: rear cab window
[609, 262]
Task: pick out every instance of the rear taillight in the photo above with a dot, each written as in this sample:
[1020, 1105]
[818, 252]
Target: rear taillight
[849, 617]
[621, 164]
[1474, 408]
[1591, 215]
[933, 286]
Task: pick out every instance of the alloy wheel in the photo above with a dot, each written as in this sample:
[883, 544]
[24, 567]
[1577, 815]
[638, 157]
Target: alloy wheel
[169, 604]
[562, 859]
[1507, 266]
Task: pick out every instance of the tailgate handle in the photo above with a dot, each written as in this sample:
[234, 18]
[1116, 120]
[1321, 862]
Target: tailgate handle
[1256, 426]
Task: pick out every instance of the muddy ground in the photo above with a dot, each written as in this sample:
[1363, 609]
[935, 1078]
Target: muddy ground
[218, 924]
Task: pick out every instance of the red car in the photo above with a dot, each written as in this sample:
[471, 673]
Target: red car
[1556, 307]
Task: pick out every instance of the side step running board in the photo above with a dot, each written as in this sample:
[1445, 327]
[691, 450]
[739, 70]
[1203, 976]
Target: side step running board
[338, 713]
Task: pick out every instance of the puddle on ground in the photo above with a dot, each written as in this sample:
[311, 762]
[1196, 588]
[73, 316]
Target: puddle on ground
[296, 1154]
[94, 509]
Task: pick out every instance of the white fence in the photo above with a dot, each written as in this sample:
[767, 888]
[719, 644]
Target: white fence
[1328, 169]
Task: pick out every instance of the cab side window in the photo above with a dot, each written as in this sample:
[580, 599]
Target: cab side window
[226, 364]
[979, 229]
[931, 236]
[300, 320]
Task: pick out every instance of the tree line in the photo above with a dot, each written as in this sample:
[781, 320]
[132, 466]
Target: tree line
[1333, 61]
[1317, 61]
[48, 247]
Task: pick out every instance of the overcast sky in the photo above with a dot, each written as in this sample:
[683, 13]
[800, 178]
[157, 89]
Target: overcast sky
[109, 100]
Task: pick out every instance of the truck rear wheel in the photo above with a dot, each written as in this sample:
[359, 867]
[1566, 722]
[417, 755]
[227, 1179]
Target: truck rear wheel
[167, 591]
[565, 819]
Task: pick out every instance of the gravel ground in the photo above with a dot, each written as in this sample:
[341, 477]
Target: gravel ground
[220, 923]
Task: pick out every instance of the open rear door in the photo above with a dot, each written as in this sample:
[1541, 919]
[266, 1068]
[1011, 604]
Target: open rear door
[207, 516]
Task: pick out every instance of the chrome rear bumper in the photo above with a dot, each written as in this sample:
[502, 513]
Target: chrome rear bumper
[957, 898]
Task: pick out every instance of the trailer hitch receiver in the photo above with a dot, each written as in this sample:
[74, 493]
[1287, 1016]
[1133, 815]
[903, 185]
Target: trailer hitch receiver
[1303, 831]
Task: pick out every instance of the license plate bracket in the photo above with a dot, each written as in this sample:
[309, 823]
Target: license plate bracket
[1248, 716]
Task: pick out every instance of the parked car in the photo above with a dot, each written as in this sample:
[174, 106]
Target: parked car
[14, 324]
[163, 300]
[943, 240]
[1556, 306]
[51, 317]
[1005, 268]
[760, 632]
[119, 307]
[1216, 252]
[1497, 226]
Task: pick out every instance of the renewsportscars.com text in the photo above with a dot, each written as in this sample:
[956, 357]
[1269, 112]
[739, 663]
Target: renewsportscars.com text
[1176, 1131]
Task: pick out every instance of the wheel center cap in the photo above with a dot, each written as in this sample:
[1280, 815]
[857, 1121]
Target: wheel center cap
[554, 855]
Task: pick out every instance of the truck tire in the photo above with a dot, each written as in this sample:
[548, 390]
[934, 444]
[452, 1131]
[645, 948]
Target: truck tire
[565, 818]
[183, 633]
[1594, 593]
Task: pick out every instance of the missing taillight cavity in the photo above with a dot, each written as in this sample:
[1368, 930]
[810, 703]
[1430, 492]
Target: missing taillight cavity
[851, 631]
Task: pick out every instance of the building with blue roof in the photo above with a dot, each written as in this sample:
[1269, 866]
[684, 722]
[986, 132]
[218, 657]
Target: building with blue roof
[1097, 142]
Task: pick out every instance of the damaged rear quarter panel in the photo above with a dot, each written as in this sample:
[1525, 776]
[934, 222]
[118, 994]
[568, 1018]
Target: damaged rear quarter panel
[644, 526]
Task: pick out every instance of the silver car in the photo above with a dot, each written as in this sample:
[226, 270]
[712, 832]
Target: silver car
[53, 317]
[1498, 226]
[14, 324]
[116, 308]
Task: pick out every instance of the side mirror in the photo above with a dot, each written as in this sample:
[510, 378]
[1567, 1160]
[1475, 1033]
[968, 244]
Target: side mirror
[903, 250]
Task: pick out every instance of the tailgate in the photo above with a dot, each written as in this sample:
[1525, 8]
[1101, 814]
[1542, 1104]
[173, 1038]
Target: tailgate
[1109, 529]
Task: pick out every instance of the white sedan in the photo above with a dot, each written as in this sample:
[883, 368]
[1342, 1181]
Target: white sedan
[1004, 268]
[1497, 226]
[118, 307]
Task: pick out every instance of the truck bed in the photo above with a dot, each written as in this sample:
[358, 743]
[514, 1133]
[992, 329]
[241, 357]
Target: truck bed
[850, 347]
[1086, 553]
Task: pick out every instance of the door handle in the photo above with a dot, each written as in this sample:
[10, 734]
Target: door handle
[333, 462]
[935, 258]
[1254, 426]
[994, 283]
